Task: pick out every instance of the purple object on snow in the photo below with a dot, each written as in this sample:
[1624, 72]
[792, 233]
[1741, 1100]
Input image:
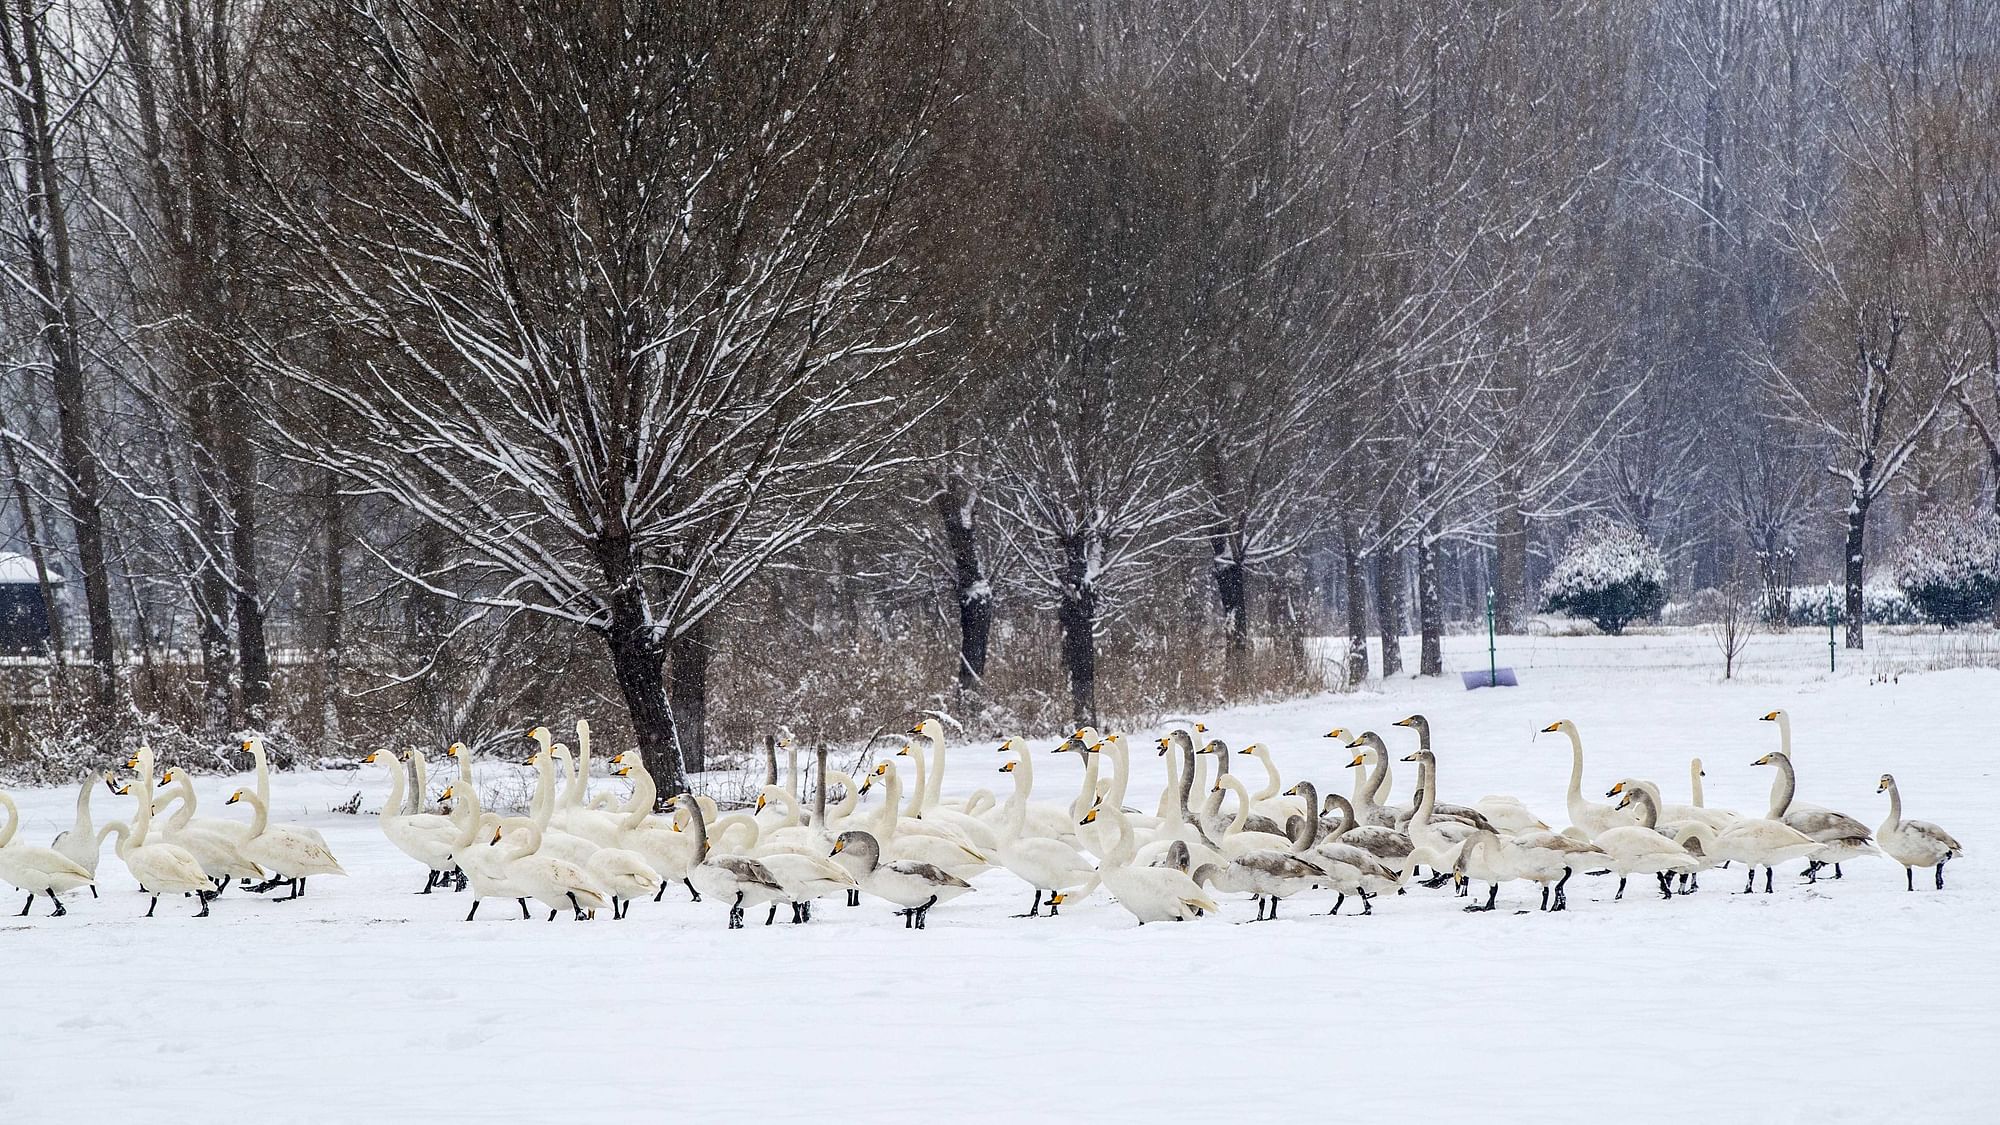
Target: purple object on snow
[1499, 677]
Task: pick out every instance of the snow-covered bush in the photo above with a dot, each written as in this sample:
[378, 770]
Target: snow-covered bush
[1609, 574]
[1948, 565]
[1880, 605]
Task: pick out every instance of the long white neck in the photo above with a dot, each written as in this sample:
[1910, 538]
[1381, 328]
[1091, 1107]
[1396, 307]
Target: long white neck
[1575, 765]
[1242, 803]
[935, 793]
[420, 775]
[393, 808]
[917, 792]
[526, 841]
[892, 799]
[13, 820]
[1121, 768]
[184, 790]
[1694, 782]
[142, 820]
[1024, 778]
[1200, 770]
[1088, 792]
[120, 829]
[542, 806]
[1014, 816]
[582, 762]
[1271, 779]
[644, 795]
[83, 826]
[572, 792]
[1895, 812]
[1127, 845]
[263, 771]
[260, 814]
[1427, 795]
[1170, 792]
[1782, 787]
[792, 773]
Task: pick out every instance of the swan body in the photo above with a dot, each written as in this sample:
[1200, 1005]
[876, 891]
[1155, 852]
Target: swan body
[38, 870]
[1593, 818]
[1150, 894]
[1914, 843]
[953, 855]
[738, 880]
[550, 880]
[1049, 866]
[78, 843]
[911, 884]
[290, 853]
[425, 837]
[215, 844]
[1841, 837]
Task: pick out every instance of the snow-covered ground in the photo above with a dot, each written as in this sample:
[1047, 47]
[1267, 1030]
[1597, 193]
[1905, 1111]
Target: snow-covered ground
[1845, 1001]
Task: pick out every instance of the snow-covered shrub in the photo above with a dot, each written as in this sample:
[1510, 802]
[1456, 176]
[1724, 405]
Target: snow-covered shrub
[1609, 574]
[1948, 565]
[1880, 605]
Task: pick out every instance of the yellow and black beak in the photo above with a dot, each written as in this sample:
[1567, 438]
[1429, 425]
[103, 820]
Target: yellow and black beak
[1615, 790]
[1770, 718]
[1089, 817]
[1007, 768]
[1409, 757]
[1555, 726]
[1361, 740]
[1404, 722]
[1358, 760]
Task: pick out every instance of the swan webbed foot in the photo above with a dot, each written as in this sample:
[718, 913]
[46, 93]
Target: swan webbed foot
[693, 895]
[60, 909]
[25, 906]
[1034, 911]
[1492, 893]
[1338, 898]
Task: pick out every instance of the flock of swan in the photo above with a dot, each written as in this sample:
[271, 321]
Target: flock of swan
[917, 849]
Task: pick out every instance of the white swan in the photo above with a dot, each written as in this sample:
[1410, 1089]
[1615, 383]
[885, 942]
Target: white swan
[290, 853]
[1150, 894]
[79, 843]
[475, 853]
[1049, 866]
[1914, 843]
[215, 844]
[1499, 812]
[1594, 819]
[900, 839]
[1238, 837]
[549, 880]
[1048, 819]
[962, 827]
[425, 837]
[911, 884]
[1269, 801]
[1633, 848]
[36, 870]
[159, 868]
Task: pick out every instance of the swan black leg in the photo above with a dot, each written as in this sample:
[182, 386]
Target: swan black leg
[1338, 898]
[459, 873]
[430, 882]
[1034, 911]
[1545, 896]
[1562, 900]
[693, 895]
[552, 913]
[806, 911]
[1836, 871]
[524, 909]
[1367, 904]
[474, 910]
[1940, 875]
[1492, 893]
[1056, 899]
[203, 912]
[1667, 885]
[909, 917]
[854, 898]
[25, 906]
[1274, 908]
[1767, 880]
[1621, 889]
[924, 911]
[662, 892]
[576, 906]
[60, 909]
[151, 905]
[772, 916]
[736, 912]
[1750, 886]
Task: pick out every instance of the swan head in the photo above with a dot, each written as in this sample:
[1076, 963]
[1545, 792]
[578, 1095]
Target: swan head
[904, 752]
[1214, 746]
[1006, 744]
[541, 736]
[1887, 783]
[1369, 739]
[1007, 767]
[457, 750]
[239, 795]
[1420, 756]
[1695, 764]
[1089, 817]
[622, 771]
[1252, 748]
[1770, 759]
[1615, 790]
[1414, 722]
[375, 756]
[1772, 717]
[1563, 725]
[1338, 732]
[446, 795]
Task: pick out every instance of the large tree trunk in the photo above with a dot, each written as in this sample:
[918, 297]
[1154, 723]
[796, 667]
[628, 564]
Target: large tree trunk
[639, 659]
[1430, 610]
[1510, 562]
[1232, 588]
[1857, 529]
[54, 279]
[1076, 612]
[1357, 604]
[333, 623]
[252, 652]
[690, 655]
[954, 503]
[1388, 566]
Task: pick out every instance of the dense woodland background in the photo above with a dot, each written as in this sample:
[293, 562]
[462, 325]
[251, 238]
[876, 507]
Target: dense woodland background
[408, 371]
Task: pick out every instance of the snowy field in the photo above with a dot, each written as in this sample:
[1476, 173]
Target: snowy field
[1848, 1001]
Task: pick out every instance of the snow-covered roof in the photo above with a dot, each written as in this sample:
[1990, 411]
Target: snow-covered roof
[16, 569]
